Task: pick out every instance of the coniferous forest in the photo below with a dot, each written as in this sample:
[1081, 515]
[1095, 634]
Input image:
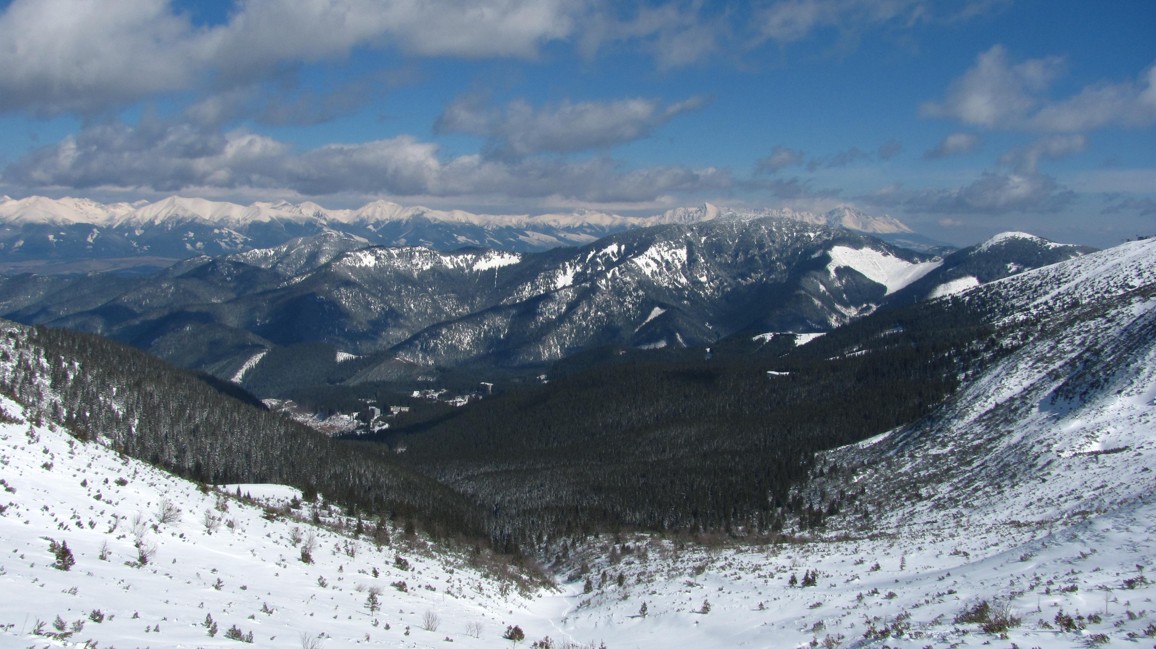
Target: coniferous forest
[676, 443]
[175, 420]
[671, 442]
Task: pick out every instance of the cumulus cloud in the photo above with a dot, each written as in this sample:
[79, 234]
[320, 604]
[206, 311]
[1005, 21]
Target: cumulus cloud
[174, 157]
[1026, 159]
[154, 156]
[519, 129]
[285, 105]
[791, 21]
[990, 195]
[79, 56]
[76, 55]
[953, 145]
[781, 157]
[1103, 104]
[995, 92]
[680, 33]
[995, 193]
[676, 34]
[269, 31]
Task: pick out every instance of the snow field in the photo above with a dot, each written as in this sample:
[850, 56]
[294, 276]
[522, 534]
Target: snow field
[213, 556]
[879, 267]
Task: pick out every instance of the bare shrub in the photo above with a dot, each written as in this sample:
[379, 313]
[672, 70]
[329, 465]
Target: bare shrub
[307, 546]
[211, 521]
[430, 621]
[167, 512]
[474, 629]
[311, 641]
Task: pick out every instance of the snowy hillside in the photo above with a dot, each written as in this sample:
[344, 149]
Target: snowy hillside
[217, 569]
[1063, 426]
[157, 561]
[1001, 256]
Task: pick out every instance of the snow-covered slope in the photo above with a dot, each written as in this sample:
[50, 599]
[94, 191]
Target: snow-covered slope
[1065, 424]
[214, 562]
[879, 266]
[1001, 256]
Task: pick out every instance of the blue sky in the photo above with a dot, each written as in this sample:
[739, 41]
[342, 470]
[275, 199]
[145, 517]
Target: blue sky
[961, 118]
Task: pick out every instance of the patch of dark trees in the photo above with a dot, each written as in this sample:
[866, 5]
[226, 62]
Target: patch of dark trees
[176, 420]
[639, 441]
[672, 443]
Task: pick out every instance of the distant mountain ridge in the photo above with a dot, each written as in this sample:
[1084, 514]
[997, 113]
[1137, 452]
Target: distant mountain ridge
[39, 229]
[408, 309]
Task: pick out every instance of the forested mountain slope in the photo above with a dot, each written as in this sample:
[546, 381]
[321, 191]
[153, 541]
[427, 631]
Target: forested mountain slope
[665, 286]
[718, 443]
[146, 409]
[358, 315]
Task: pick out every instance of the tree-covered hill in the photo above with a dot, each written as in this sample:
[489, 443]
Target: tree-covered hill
[169, 417]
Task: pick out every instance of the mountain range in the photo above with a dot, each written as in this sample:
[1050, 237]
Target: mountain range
[382, 312]
[1017, 509]
[70, 234]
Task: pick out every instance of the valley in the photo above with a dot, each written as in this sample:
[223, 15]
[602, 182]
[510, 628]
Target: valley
[963, 458]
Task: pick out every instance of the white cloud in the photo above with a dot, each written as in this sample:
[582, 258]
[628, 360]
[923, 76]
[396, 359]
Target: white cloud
[176, 157]
[1001, 193]
[270, 31]
[854, 155]
[78, 55]
[1026, 159]
[781, 157]
[1103, 104]
[81, 56]
[952, 145]
[791, 21]
[989, 195]
[995, 93]
[520, 129]
[676, 34]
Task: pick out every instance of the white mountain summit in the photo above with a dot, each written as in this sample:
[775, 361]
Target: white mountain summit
[62, 211]
[843, 216]
[72, 231]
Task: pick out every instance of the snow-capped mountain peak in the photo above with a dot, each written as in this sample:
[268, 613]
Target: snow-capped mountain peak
[1004, 238]
[853, 219]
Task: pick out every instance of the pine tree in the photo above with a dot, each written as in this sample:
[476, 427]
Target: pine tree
[64, 558]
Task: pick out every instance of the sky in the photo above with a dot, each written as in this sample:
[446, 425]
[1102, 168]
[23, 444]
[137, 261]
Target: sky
[962, 118]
